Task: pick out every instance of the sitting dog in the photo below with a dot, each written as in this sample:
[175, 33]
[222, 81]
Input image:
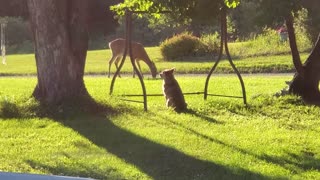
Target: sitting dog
[172, 91]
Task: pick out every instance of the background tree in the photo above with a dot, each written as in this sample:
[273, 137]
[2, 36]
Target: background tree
[306, 80]
[313, 24]
[200, 11]
[193, 12]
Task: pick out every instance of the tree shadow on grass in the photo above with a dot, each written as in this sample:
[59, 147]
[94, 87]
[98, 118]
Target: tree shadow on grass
[296, 163]
[306, 160]
[156, 160]
[77, 170]
[202, 116]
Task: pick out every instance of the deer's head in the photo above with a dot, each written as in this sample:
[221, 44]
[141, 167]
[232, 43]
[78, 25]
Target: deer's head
[153, 69]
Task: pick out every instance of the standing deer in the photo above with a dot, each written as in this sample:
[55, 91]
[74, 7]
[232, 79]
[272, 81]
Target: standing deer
[117, 47]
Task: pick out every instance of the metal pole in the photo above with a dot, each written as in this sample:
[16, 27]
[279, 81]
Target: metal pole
[124, 55]
[224, 16]
[3, 42]
[230, 59]
[215, 65]
[129, 39]
[128, 49]
[224, 41]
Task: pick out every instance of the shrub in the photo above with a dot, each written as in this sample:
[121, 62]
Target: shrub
[304, 39]
[211, 42]
[182, 45]
[8, 108]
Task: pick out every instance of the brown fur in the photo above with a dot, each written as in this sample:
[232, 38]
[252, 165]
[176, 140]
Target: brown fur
[117, 47]
[172, 91]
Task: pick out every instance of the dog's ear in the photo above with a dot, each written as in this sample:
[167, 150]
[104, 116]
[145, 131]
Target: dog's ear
[172, 70]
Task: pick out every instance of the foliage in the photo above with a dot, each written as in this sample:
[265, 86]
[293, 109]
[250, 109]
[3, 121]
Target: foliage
[268, 43]
[16, 31]
[101, 20]
[301, 26]
[8, 108]
[245, 19]
[313, 27]
[182, 45]
[202, 11]
[273, 11]
[211, 42]
[270, 11]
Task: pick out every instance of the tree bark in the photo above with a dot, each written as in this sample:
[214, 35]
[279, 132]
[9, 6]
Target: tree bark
[60, 32]
[306, 81]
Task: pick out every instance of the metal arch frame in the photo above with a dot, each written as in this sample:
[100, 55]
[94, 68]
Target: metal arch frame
[128, 48]
[224, 44]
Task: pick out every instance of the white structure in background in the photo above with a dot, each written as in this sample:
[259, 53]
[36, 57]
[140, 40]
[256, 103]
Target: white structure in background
[3, 42]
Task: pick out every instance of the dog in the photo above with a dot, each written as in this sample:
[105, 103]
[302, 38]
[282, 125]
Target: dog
[172, 91]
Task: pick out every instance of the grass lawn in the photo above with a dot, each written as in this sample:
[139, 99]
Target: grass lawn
[271, 138]
[97, 63]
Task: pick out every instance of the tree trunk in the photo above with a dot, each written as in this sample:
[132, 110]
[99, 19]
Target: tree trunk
[306, 81]
[60, 34]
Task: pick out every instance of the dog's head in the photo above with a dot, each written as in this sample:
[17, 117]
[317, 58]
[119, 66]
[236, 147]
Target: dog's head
[167, 73]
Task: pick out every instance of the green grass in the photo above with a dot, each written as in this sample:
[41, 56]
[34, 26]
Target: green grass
[271, 138]
[268, 43]
[97, 63]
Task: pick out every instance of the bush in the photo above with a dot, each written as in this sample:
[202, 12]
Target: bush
[211, 42]
[8, 108]
[182, 45]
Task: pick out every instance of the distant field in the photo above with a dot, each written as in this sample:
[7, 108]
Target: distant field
[97, 63]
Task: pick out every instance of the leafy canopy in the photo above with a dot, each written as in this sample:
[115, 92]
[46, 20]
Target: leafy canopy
[180, 9]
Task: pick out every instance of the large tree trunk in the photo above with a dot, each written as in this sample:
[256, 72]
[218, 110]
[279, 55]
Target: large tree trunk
[61, 42]
[306, 81]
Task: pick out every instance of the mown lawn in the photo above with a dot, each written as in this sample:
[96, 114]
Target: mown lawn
[97, 63]
[271, 138]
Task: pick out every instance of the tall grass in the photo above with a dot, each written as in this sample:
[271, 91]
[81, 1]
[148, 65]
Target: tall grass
[267, 44]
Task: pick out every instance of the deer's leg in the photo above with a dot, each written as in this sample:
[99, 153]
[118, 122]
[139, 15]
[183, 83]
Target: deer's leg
[133, 72]
[110, 63]
[138, 63]
[116, 62]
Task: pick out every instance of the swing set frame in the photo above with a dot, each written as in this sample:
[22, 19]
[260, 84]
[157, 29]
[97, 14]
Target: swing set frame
[128, 50]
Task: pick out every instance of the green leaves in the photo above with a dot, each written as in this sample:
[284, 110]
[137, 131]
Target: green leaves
[232, 3]
[136, 5]
[201, 11]
[159, 5]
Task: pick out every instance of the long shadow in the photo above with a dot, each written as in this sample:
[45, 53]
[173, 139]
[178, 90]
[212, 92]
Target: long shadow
[202, 116]
[159, 161]
[305, 161]
[296, 163]
[156, 160]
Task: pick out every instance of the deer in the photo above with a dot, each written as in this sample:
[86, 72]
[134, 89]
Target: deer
[117, 47]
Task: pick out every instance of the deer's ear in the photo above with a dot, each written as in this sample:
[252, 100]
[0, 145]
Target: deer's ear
[172, 69]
